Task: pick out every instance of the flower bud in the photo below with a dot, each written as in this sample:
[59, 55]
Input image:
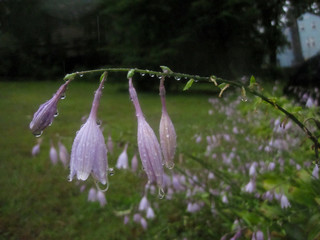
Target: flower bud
[46, 112]
[166, 131]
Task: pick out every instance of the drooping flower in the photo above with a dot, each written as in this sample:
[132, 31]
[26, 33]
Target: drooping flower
[89, 152]
[53, 154]
[168, 137]
[63, 154]
[101, 198]
[315, 172]
[36, 148]
[122, 161]
[134, 163]
[43, 117]
[92, 195]
[148, 145]
[144, 204]
[251, 186]
[150, 213]
[284, 202]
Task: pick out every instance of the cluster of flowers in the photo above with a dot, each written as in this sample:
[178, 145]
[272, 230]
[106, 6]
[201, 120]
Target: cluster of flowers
[89, 150]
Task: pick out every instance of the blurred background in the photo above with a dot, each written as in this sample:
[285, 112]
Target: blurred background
[42, 39]
[242, 170]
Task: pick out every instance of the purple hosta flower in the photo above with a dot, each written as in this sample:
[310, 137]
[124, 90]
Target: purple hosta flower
[194, 207]
[36, 148]
[168, 137]
[110, 145]
[134, 163]
[126, 220]
[271, 166]
[258, 235]
[101, 198]
[92, 195]
[63, 154]
[284, 202]
[169, 194]
[251, 186]
[122, 161]
[143, 223]
[53, 154]
[82, 187]
[268, 195]
[43, 117]
[137, 217]
[252, 170]
[237, 235]
[315, 172]
[150, 213]
[144, 204]
[89, 152]
[149, 147]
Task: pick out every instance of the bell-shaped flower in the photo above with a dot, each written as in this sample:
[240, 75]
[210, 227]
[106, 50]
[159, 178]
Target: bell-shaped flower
[144, 204]
[148, 145]
[150, 213]
[46, 112]
[53, 154]
[122, 161]
[284, 202]
[92, 195]
[63, 154]
[134, 163]
[315, 172]
[89, 152]
[101, 198]
[36, 148]
[168, 137]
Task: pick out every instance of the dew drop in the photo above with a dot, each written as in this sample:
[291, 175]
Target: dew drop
[56, 114]
[63, 96]
[177, 78]
[159, 76]
[81, 75]
[161, 193]
[151, 75]
[244, 99]
[111, 171]
[50, 124]
[142, 74]
[38, 134]
[170, 165]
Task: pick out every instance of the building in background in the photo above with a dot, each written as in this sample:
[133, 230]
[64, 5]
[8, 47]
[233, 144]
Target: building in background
[304, 41]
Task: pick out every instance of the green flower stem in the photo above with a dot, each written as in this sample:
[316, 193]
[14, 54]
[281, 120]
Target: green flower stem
[311, 136]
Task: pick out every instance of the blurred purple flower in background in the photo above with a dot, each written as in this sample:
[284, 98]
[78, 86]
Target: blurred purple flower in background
[53, 154]
[89, 152]
[63, 154]
[122, 162]
[43, 117]
[134, 163]
[36, 148]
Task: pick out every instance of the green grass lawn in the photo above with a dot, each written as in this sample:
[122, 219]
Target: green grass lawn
[38, 202]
